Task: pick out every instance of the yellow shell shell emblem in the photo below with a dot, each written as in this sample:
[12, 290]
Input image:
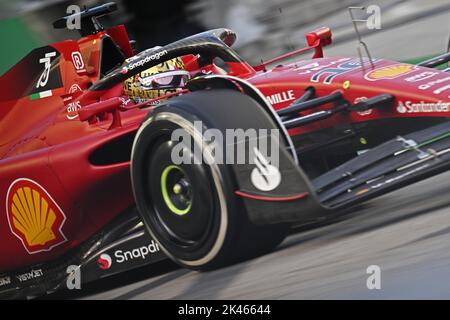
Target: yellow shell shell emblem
[34, 217]
[390, 72]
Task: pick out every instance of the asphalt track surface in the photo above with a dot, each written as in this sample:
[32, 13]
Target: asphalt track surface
[406, 233]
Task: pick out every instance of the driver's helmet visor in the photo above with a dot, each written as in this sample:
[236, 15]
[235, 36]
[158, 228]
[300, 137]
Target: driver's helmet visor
[165, 80]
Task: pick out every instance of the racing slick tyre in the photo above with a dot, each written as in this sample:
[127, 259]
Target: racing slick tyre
[191, 208]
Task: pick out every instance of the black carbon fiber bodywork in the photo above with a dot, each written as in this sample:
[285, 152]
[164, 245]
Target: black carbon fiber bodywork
[210, 44]
[122, 240]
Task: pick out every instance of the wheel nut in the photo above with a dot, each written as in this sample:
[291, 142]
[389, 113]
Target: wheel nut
[177, 189]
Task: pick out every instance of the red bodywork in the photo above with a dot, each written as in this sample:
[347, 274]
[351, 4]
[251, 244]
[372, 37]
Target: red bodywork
[46, 148]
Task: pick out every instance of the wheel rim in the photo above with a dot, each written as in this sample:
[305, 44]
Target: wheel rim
[176, 189]
[203, 252]
[181, 198]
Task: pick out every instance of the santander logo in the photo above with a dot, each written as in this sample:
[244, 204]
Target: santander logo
[104, 261]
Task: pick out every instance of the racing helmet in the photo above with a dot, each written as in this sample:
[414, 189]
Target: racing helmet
[155, 82]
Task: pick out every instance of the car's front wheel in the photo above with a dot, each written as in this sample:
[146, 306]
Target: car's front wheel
[191, 208]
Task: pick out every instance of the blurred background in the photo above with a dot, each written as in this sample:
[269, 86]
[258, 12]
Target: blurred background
[409, 28]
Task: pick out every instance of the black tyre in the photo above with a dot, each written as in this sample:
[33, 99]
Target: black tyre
[191, 209]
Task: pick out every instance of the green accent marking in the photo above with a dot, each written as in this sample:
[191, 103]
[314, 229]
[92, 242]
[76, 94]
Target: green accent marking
[19, 39]
[35, 96]
[421, 59]
[165, 193]
[443, 136]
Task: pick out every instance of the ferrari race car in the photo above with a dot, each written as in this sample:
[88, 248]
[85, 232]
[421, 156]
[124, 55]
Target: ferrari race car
[90, 185]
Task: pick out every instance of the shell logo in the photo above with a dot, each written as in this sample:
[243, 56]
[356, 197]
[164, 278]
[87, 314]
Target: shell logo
[389, 72]
[34, 217]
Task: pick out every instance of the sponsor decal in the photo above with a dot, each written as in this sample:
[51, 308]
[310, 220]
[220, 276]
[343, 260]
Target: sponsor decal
[33, 274]
[265, 177]
[316, 66]
[421, 76]
[423, 107]
[74, 106]
[72, 110]
[34, 217]
[281, 97]
[433, 83]
[74, 88]
[137, 253]
[328, 74]
[142, 62]
[41, 67]
[4, 281]
[104, 261]
[442, 89]
[390, 72]
[47, 62]
[78, 62]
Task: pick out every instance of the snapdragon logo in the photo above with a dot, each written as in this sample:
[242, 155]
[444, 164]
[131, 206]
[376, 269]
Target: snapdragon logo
[234, 146]
[104, 261]
[143, 61]
[137, 253]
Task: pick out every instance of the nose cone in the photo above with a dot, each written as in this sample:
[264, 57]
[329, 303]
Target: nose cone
[419, 91]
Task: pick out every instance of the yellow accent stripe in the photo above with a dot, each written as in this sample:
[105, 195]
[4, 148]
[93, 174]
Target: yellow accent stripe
[31, 207]
[26, 210]
[18, 217]
[37, 208]
[44, 208]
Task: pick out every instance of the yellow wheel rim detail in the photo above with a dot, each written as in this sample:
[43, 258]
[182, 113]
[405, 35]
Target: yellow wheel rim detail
[165, 193]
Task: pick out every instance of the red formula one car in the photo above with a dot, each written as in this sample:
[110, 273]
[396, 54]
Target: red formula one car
[88, 177]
